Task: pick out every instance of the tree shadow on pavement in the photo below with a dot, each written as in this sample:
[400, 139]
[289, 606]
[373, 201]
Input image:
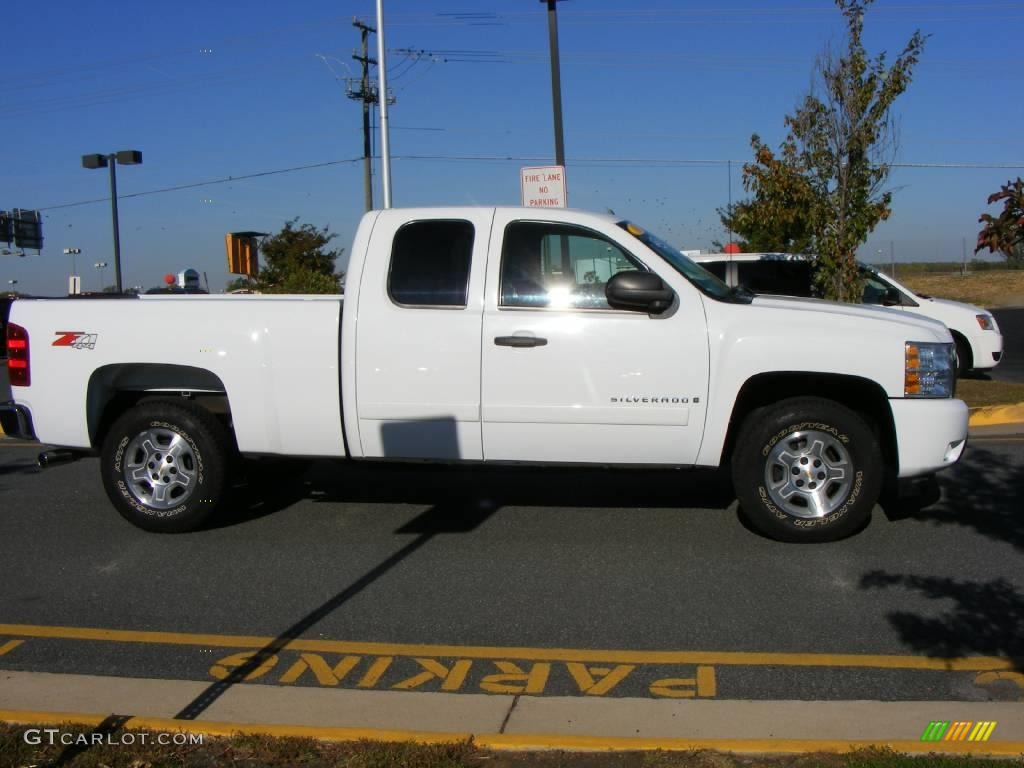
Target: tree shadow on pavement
[984, 618]
[277, 485]
[984, 495]
[981, 494]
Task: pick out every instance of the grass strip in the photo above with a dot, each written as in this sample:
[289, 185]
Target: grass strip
[255, 751]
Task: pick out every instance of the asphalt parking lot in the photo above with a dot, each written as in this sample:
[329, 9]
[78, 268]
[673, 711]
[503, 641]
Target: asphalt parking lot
[467, 580]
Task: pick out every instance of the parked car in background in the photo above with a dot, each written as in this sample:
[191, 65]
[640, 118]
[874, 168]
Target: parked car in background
[979, 344]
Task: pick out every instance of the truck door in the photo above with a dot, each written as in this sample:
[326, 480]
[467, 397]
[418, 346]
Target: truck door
[418, 336]
[567, 378]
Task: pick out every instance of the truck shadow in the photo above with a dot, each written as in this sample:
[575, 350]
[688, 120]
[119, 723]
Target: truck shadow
[275, 485]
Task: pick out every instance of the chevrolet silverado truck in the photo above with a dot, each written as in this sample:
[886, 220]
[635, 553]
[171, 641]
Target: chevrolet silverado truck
[495, 335]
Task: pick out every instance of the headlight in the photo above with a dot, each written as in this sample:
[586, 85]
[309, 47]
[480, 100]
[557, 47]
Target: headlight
[986, 322]
[929, 369]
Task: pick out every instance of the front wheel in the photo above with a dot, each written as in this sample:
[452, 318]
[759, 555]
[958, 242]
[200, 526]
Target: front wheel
[806, 469]
[164, 465]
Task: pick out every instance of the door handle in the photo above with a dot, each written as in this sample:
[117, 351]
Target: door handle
[520, 341]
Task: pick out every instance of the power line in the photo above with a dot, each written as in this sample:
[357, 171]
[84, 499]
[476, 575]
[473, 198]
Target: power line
[593, 162]
[206, 183]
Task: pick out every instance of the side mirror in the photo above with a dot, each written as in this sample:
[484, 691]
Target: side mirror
[643, 291]
[891, 298]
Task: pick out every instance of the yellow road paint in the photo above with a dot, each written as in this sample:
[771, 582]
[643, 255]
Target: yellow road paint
[452, 679]
[376, 672]
[9, 646]
[497, 741]
[702, 685]
[605, 679]
[223, 669]
[987, 678]
[514, 680]
[453, 675]
[324, 673]
[729, 658]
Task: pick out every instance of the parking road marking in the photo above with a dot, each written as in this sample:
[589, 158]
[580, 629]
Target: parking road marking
[344, 647]
[9, 646]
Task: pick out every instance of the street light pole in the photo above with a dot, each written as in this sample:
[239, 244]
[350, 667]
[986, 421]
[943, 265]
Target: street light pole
[117, 229]
[124, 157]
[101, 265]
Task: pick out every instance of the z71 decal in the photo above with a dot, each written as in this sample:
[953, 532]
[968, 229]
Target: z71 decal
[75, 339]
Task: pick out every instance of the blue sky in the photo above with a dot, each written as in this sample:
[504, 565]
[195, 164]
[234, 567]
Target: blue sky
[216, 89]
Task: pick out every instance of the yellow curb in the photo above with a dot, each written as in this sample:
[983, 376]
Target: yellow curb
[994, 415]
[506, 741]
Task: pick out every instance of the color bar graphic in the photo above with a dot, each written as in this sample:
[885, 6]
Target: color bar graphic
[958, 730]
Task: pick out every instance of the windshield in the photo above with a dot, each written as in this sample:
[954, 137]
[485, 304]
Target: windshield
[696, 274]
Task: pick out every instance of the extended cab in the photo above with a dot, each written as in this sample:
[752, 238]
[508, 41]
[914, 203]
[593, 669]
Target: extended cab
[979, 344]
[497, 335]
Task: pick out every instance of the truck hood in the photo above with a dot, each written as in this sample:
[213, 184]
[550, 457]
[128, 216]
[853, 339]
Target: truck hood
[845, 313]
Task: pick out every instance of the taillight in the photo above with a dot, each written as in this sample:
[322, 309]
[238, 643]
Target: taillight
[18, 369]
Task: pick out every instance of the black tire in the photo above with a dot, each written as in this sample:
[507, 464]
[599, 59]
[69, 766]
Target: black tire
[810, 442]
[182, 448]
[964, 358]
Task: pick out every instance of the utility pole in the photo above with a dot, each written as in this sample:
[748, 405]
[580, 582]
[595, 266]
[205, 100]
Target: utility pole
[556, 80]
[382, 89]
[366, 95]
[730, 200]
[892, 257]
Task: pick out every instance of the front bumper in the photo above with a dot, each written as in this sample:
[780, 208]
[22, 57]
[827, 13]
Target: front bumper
[930, 434]
[986, 349]
[16, 421]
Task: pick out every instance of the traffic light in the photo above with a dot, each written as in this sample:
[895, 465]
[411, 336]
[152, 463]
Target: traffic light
[243, 258]
[28, 229]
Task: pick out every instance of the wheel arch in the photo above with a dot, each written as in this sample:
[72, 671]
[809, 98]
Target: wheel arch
[865, 397]
[962, 342]
[113, 389]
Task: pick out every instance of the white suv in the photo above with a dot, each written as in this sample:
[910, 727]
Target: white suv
[979, 344]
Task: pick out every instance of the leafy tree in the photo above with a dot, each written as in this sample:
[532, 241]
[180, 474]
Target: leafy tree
[824, 190]
[296, 260]
[1005, 232]
[237, 284]
[776, 217]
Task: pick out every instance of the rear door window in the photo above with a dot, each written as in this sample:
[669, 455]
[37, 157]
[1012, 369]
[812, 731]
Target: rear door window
[716, 268]
[777, 276]
[430, 263]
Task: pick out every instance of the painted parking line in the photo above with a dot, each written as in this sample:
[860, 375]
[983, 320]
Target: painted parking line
[9, 646]
[587, 673]
[344, 647]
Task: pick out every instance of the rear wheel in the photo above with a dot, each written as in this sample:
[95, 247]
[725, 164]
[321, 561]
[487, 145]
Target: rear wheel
[164, 465]
[806, 469]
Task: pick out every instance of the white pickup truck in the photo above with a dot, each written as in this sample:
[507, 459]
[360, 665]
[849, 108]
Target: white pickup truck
[498, 335]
